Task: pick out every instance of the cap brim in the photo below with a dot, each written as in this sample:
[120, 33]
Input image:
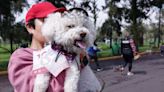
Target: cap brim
[60, 10]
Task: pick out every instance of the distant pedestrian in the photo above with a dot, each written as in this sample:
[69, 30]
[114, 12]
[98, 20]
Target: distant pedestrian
[92, 53]
[128, 50]
[162, 50]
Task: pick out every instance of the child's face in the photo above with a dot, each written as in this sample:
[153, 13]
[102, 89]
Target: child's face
[126, 34]
[37, 33]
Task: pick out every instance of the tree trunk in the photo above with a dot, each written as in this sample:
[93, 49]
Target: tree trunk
[134, 22]
[11, 43]
[141, 39]
[159, 28]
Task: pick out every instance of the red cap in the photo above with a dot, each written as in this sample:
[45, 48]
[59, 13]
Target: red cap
[41, 10]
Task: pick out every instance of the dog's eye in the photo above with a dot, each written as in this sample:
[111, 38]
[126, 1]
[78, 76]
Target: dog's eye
[71, 26]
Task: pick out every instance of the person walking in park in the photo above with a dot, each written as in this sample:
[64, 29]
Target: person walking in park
[162, 50]
[128, 50]
[21, 61]
[92, 53]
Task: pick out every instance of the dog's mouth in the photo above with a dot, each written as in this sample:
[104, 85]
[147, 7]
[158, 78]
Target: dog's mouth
[80, 44]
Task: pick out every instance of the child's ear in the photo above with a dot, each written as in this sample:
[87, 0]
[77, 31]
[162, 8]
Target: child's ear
[30, 29]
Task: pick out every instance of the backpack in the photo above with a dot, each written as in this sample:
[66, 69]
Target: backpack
[91, 51]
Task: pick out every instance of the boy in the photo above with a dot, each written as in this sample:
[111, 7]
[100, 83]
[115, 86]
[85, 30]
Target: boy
[20, 65]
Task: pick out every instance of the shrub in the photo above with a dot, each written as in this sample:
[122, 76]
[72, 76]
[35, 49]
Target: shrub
[103, 46]
[105, 53]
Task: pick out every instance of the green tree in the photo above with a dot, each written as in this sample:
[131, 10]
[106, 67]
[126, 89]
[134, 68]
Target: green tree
[59, 3]
[7, 20]
[158, 4]
[132, 12]
[91, 5]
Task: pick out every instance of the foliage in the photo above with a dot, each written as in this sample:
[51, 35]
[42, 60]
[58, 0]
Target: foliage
[91, 5]
[8, 7]
[103, 46]
[105, 53]
[20, 30]
[132, 12]
[59, 3]
[4, 58]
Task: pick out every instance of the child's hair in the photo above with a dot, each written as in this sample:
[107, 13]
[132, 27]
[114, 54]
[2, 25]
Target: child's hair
[31, 23]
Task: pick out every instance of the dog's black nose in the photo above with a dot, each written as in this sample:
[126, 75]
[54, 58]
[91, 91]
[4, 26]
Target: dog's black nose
[82, 35]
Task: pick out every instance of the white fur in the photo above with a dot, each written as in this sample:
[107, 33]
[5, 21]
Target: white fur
[41, 82]
[56, 29]
[72, 78]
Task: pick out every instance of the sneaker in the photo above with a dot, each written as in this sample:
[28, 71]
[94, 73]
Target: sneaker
[122, 69]
[130, 74]
[99, 69]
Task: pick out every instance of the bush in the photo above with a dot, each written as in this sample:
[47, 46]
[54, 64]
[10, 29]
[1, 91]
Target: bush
[144, 48]
[105, 53]
[103, 46]
[4, 57]
[3, 65]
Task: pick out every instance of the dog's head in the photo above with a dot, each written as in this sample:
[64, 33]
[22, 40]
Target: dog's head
[72, 29]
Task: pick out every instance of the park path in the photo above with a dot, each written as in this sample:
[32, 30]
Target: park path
[149, 75]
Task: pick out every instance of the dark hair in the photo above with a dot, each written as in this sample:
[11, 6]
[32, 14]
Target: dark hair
[79, 10]
[31, 23]
[24, 45]
[95, 43]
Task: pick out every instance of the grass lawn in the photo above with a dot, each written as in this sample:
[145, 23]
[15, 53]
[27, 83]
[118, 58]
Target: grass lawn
[105, 52]
[4, 57]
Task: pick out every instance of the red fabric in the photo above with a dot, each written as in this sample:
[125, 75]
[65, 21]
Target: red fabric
[21, 75]
[41, 10]
[132, 44]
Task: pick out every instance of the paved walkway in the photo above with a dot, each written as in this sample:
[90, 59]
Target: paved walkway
[149, 76]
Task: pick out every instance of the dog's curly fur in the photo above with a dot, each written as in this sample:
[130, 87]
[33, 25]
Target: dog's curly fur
[65, 28]
[74, 31]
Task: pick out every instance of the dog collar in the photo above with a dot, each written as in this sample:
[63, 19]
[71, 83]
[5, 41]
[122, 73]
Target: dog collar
[59, 48]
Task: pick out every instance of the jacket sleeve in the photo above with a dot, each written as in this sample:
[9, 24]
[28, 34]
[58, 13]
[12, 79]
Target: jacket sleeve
[19, 72]
[132, 44]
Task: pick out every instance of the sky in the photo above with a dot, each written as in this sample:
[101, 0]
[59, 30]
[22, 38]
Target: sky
[102, 15]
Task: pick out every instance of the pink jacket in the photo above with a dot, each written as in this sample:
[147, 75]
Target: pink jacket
[20, 73]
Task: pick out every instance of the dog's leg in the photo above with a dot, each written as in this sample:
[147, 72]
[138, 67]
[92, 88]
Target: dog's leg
[41, 82]
[72, 78]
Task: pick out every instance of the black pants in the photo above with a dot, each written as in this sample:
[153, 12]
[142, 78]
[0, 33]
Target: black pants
[162, 52]
[128, 60]
[95, 60]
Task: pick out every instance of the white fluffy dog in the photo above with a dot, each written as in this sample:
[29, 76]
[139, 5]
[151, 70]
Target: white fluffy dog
[71, 32]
